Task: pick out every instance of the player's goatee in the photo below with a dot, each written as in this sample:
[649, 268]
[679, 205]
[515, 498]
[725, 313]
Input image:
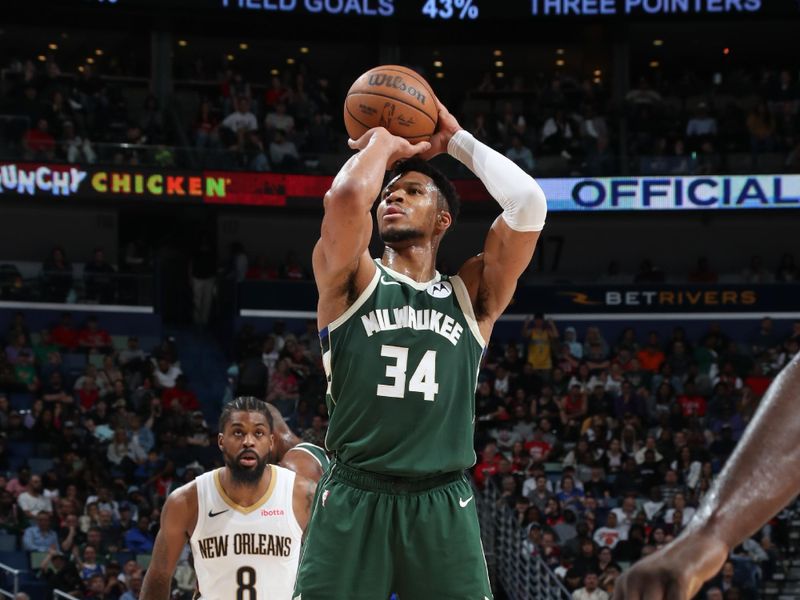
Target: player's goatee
[394, 236]
[247, 475]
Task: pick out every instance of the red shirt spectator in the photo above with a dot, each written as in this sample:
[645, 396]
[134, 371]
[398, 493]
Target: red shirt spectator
[650, 358]
[692, 405]
[185, 397]
[758, 383]
[263, 269]
[92, 337]
[39, 140]
[64, 334]
[488, 465]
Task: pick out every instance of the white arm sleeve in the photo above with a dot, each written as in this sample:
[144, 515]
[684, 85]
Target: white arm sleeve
[523, 201]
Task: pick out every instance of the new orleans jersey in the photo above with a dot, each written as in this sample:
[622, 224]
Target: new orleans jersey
[250, 553]
[402, 365]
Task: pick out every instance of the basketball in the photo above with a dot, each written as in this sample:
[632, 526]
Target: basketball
[393, 97]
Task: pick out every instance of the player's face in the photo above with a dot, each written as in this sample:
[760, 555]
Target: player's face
[409, 209]
[246, 444]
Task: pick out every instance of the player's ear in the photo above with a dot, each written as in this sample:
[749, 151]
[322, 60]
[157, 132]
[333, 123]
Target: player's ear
[443, 221]
[219, 440]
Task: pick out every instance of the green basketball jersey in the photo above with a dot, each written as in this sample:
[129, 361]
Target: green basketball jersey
[402, 365]
[318, 453]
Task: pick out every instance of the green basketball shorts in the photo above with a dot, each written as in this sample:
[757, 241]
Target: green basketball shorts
[372, 535]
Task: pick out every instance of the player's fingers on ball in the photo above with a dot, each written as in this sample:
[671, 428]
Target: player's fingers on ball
[420, 147]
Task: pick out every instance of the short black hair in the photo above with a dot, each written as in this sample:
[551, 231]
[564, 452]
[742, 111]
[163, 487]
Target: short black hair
[447, 190]
[245, 404]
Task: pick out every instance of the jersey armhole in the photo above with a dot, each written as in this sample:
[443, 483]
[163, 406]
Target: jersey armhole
[462, 296]
[353, 308]
[309, 452]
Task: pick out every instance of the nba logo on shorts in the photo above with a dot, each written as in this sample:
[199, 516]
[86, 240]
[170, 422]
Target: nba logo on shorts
[440, 289]
[325, 497]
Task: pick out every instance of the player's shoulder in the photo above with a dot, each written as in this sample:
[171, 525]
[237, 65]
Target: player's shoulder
[184, 496]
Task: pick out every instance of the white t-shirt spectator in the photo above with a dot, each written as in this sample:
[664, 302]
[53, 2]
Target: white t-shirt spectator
[167, 380]
[239, 120]
[34, 504]
[583, 594]
[278, 151]
[701, 126]
[624, 521]
[284, 122]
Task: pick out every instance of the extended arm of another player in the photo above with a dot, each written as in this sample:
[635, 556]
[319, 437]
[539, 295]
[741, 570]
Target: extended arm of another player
[347, 224]
[758, 480]
[171, 538]
[302, 463]
[512, 238]
[303, 499]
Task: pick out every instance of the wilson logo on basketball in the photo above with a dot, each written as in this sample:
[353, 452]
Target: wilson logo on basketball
[396, 81]
[275, 512]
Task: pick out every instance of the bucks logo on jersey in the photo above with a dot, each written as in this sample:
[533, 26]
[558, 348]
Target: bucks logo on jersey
[402, 365]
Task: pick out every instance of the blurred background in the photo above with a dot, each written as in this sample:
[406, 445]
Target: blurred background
[162, 165]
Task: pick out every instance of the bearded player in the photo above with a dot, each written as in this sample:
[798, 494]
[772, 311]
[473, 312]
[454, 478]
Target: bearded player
[244, 521]
[401, 347]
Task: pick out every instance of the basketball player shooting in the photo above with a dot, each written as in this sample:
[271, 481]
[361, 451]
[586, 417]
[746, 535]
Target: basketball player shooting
[401, 347]
[244, 521]
[759, 479]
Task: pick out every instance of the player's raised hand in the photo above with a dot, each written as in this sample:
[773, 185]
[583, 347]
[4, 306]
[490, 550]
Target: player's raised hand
[676, 572]
[400, 147]
[445, 128]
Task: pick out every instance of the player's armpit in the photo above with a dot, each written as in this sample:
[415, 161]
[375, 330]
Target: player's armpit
[178, 518]
[491, 278]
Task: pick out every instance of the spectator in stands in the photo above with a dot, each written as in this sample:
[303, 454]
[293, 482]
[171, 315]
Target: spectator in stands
[520, 154]
[649, 273]
[140, 539]
[702, 125]
[203, 269]
[651, 356]
[755, 272]
[559, 135]
[98, 277]
[283, 389]
[92, 338]
[38, 143]
[60, 573]
[292, 269]
[40, 537]
[179, 396]
[788, 271]
[282, 152]
[702, 272]
[590, 589]
[541, 334]
[278, 119]
[205, 126]
[242, 118]
[87, 563]
[134, 587]
[56, 276]
[32, 502]
[761, 127]
[167, 373]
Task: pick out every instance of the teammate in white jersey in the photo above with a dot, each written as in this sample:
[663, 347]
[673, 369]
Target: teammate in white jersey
[244, 521]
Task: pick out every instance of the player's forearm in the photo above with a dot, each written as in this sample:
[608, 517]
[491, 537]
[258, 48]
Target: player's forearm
[156, 586]
[760, 478]
[359, 181]
[523, 201]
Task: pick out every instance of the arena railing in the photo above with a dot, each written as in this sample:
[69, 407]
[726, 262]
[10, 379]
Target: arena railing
[14, 575]
[520, 574]
[64, 595]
